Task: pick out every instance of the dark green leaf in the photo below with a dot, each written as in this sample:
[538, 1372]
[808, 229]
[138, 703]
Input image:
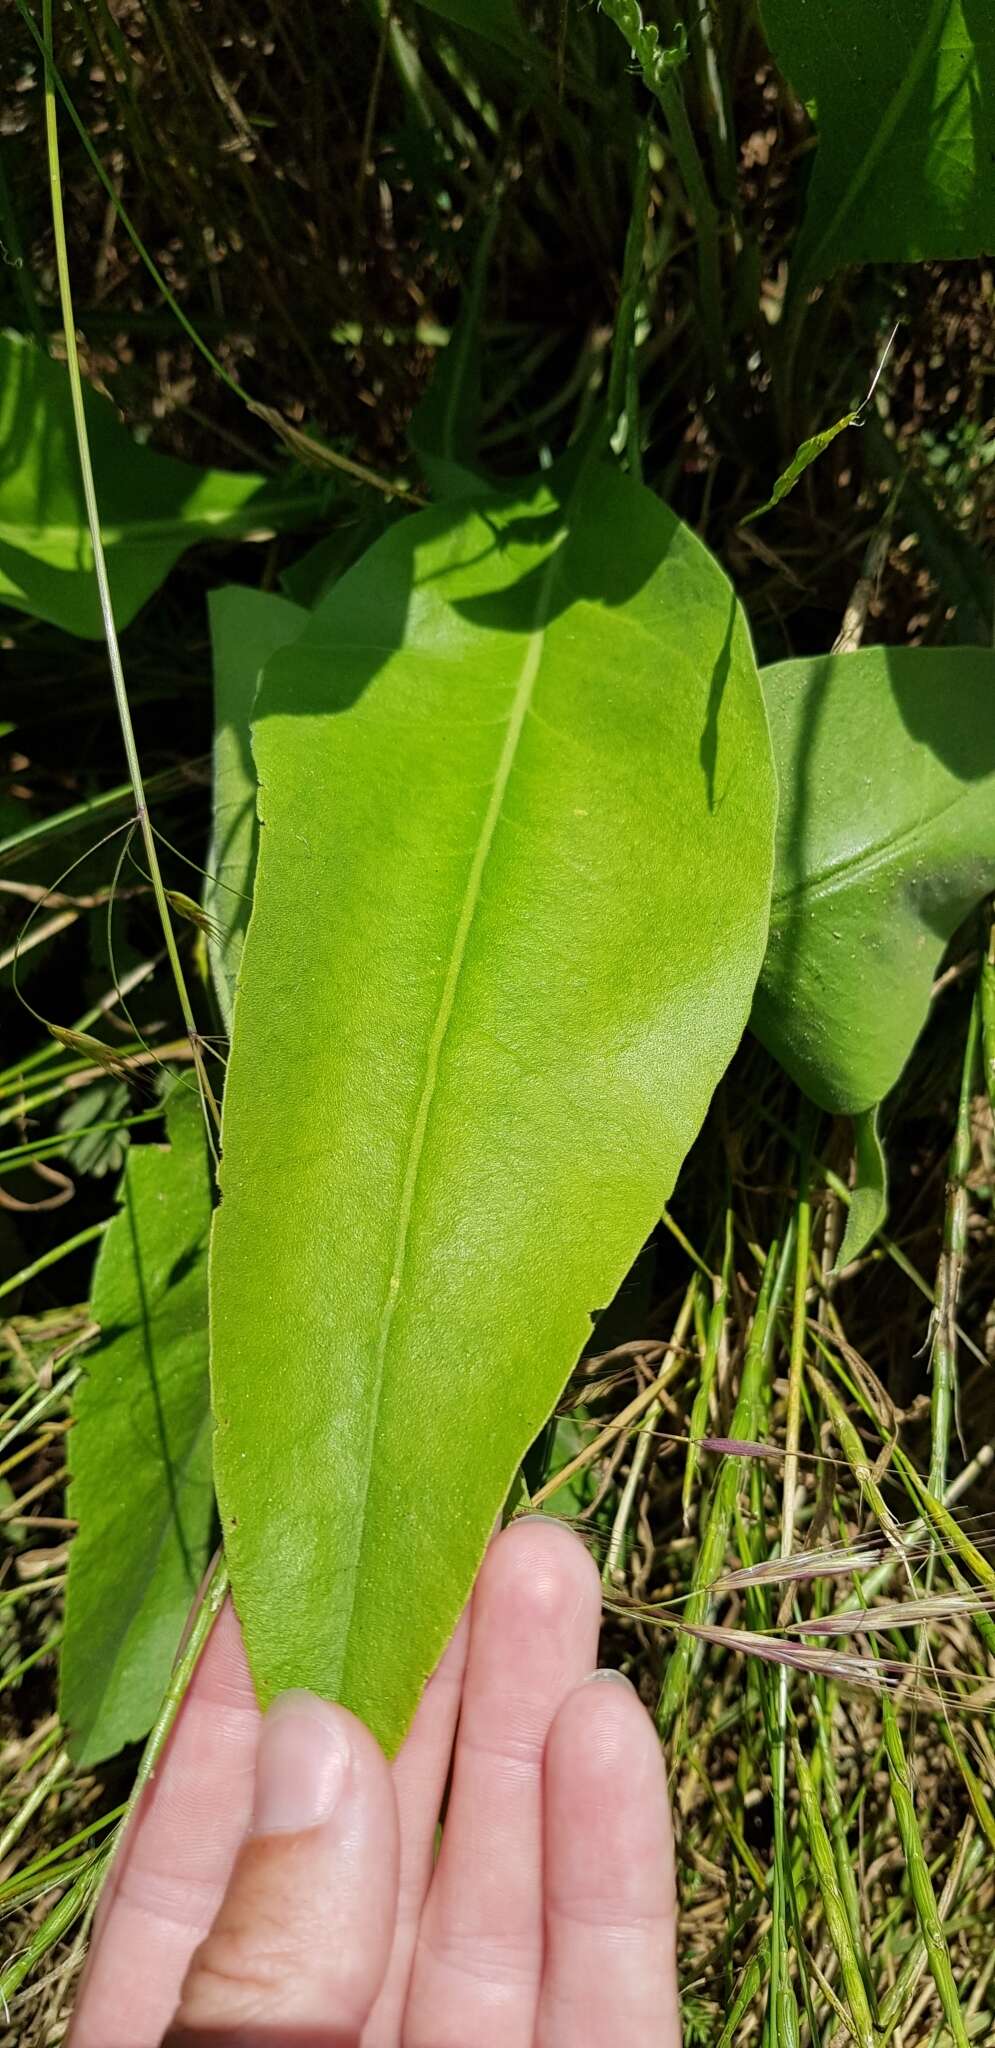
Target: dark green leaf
[496, 20]
[151, 507]
[445, 426]
[886, 839]
[140, 1450]
[904, 96]
[247, 626]
[511, 898]
[307, 579]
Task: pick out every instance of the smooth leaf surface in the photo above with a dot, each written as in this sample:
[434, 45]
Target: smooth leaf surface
[152, 507]
[869, 1195]
[496, 20]
[886, 839]
[516, 800]
[140, 1447]
[247, 626]
[904, 99]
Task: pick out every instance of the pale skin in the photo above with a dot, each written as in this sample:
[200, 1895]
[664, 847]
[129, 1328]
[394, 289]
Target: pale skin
[279, 1887]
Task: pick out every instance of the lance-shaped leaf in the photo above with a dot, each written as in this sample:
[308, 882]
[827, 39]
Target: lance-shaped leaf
[247, 626]
[151, 507]
[516, 808]
[904, 99]
[885, 841]
[140, 1448]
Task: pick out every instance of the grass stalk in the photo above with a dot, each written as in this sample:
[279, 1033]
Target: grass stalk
[100, 567]
[644, 1444]
[718, 1520]
[838, 1916]
[948, 1279]
[930, 1921]
[711, 1355]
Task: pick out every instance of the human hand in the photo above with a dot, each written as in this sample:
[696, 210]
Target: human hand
[279, 1888]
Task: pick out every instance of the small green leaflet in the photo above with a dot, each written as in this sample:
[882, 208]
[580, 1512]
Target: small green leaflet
[808, 452]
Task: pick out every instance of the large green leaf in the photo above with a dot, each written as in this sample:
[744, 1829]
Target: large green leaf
[151, 507]
[516, 799]
[247, 626]
[904, 97]
[140, 1448]
[886, 839]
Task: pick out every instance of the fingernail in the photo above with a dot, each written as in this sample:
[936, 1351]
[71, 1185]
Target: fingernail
[607, 1675]
[301, 1765]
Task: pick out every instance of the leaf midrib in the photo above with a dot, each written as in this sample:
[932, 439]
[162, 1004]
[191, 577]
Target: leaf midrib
[525, 685]
[883, 853]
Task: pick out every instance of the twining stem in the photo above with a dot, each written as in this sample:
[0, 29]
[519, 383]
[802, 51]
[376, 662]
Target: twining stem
[951, 1266]
[100, 565]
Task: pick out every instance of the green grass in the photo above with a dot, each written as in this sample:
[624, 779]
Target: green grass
[313, 198]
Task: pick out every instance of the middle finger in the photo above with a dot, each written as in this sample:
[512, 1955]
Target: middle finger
[533, 1637]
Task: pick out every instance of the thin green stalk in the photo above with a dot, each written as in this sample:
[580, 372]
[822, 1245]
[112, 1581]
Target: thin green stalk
[36, 1797]
[33, 838]
[988, 1009]
[838, 1921]
[14, 1676]
[930, 1922]
[836, 1823]
[782, 2012]
[644, 1444]
[898, 1999]
[951, 1266]
[56, 1923]
[711, 1353]
[52, 1257]
[715, 1536]
[100, 565]
[706, 221]
[749, 1984]
[621, 376]
[660, 68]
[796, 1367]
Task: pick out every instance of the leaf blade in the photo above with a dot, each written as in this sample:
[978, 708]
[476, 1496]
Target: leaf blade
[152, 507]
[140, 1461]
[247, 626]
[505, 675]
[906, 129]
[886, 840]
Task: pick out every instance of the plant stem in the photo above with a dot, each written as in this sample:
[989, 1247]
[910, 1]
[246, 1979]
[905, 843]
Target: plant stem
[803, 1240]
[644, 1443]
[951, 1266]
[100, 565]
[706, 220]
[51, 1258]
